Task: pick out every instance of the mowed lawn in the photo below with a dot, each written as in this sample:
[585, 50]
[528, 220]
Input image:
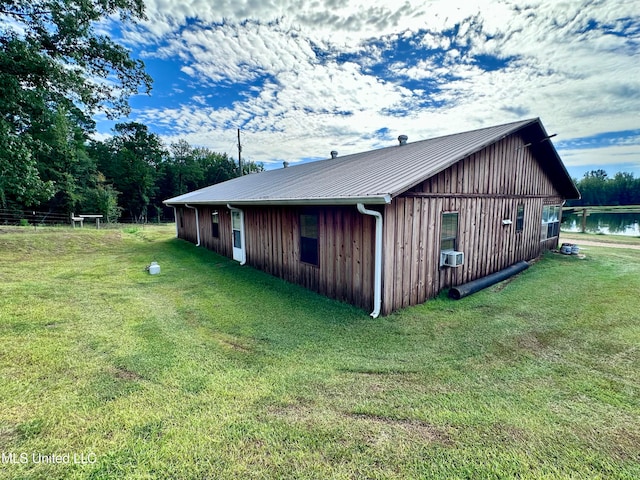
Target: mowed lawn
[212, 370]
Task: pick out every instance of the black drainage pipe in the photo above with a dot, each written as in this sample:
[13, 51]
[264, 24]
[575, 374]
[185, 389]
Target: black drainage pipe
[475, 285]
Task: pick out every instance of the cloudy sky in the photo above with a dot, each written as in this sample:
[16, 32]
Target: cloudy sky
[301, 78]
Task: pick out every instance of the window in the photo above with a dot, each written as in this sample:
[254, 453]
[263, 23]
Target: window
[236, 228]
[181, 218]
[550, 222]
[309, 239]
[449, 231]
[215, 224]
[520, 217]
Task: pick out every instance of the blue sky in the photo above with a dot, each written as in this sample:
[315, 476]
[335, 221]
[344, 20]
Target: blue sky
[302, 78]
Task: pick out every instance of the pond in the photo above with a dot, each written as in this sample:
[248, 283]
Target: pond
[606, 223]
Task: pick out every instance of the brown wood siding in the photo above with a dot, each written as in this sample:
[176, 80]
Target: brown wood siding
[483, 189]
[186, 222]
[187, 227]
[223, 243]
[346, 243]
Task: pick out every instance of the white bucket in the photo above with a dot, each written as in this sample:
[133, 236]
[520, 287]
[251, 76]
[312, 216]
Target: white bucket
[154, 268]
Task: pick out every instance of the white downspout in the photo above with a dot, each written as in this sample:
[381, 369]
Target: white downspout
[175, 217]
[377, 275]
[197, 223]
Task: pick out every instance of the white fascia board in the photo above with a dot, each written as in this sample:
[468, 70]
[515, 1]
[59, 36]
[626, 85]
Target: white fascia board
[369, 200]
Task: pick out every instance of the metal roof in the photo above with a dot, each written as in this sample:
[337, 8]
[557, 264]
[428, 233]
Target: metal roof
[372, 177]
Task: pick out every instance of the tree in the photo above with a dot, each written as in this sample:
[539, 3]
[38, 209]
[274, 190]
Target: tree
[185, 172]
[62, 157]
[624, 189]
[20, 182]
[130, 162]
[53, 59]
[593, 188]
[216, 167]
[597, 189]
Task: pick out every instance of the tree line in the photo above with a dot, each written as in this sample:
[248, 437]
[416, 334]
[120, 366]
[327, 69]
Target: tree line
[57, 71]
[597, 188]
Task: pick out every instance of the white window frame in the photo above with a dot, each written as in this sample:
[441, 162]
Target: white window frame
[550, 227]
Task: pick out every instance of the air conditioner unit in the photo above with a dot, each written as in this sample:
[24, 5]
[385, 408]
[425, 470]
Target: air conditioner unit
[451, 258]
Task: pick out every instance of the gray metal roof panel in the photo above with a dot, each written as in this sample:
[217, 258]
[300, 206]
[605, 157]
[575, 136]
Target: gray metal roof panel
[374, 176]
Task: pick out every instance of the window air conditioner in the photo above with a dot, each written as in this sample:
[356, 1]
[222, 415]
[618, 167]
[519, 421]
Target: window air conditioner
[451, 258]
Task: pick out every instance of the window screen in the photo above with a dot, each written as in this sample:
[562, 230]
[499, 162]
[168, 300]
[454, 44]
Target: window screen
[449, 231]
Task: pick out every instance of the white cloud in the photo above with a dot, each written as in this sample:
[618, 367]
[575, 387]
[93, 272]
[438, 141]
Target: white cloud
[579, 79]
[624, 156]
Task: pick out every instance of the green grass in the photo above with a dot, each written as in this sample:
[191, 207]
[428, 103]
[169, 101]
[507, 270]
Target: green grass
[212, 370]
[599, 237]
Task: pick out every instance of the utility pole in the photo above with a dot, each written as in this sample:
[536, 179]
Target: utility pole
[239, 154]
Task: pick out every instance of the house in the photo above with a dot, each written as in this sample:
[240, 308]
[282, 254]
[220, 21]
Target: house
[392, 227]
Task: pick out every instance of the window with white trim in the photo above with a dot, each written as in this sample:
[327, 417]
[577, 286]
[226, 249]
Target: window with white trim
[550, 222]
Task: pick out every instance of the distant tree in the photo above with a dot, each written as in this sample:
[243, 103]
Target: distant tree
[216, 167]
[596, 188]
[186, 172]
[624, 189]
[252, 167]
[593, 188]
[101, 198]
[130, 162]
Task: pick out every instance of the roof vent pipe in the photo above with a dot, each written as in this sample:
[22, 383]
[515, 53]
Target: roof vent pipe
[334, 154]
[403, 139]
[285, 164]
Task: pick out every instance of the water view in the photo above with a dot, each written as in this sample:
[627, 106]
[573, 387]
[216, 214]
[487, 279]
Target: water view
[604, 223]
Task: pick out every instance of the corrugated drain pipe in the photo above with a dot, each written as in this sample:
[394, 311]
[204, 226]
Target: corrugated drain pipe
[377, 275]
[197, 223]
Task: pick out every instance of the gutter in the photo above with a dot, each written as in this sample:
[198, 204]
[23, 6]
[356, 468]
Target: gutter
[197, 222]
[372, 200]
[377, 275]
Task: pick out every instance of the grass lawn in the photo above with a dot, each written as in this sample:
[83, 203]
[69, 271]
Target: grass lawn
[212, 370]
[576, 237]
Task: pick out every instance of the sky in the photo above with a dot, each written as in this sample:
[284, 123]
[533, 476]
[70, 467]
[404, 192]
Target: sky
[302, 78]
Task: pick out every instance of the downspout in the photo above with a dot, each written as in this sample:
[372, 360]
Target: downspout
[175, 216]
[197, 223]
[377, 274]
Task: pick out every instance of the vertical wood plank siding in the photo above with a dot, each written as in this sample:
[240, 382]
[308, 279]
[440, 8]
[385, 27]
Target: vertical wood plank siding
[272, 239]
[484, 189]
